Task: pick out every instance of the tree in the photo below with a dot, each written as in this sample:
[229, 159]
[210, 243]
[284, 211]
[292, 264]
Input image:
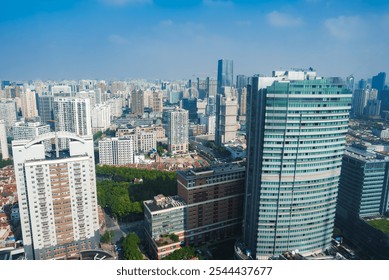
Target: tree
[107, 237]
[185, 253]
[97, 135]
[130, 247]
[174, 237]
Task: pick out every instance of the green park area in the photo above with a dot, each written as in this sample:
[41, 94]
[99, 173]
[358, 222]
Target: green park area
[121, 190]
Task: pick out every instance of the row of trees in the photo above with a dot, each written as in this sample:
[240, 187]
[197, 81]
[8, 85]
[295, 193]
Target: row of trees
[185, 253]
[154, 181]
[131, 247]
[116, 189]
[115, 196]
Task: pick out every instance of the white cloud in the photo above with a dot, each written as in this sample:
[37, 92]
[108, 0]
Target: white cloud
[166, 23]
[243, 23]
[218, 3]
[126, 2]
[283, 20]
[119, 40]
[345, 27]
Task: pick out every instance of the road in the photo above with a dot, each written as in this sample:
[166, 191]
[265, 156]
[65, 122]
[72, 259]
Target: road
[122, 229]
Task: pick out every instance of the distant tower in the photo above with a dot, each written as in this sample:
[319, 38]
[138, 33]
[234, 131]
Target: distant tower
[226, 116]
[137, 102]
[45, 104]
[8, 112]
[3, 140]
[225, 74]
[157, 101]
[378, 81]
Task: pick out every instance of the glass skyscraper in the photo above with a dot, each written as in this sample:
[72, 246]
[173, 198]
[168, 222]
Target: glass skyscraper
[225, 72]
[296, 136]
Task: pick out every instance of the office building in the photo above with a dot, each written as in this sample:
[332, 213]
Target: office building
[226, 116]
[378, 81]
[190, 104]
[242, 104]
[208, 208]
[164, 216]
[296, 132]
[116, 151]
[225, 74]
[137, 102]
[214, 198]
[45, 105]
[3, 140]
[363, 200]
[57, 196]
[363, 184]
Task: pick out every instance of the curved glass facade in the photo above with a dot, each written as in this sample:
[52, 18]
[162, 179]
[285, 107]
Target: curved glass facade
[296, 137]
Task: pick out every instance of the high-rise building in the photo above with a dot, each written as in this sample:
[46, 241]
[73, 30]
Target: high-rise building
[61, 90]
[178, 131]
[225, 74]
[101, 117]
[72, 114]
[29, 108]
[214, 196]
[116, 151]
[363, 184]
[8, 112]
[373, 108]
[243, 104]
[360, 101]
[212, 88]
[45, 104]
[137, 102]
[226, 116]
[363, 200]
[157, 103]
[145, 138]
[57, 196]
[31, 130]
[296, 132]
[190, 104]
[378, 81]
[3, 140]
[164, 215]
[208, 207]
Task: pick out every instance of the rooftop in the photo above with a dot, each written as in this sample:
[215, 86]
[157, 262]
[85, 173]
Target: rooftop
[215, 169]
[381, 224]
[161, 202]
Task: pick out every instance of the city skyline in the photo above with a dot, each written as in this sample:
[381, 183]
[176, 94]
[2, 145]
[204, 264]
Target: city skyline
[120, 39]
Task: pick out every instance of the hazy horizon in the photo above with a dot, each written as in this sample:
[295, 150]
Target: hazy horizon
[173, 40]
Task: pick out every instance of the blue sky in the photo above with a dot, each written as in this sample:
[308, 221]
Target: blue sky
[120, 39]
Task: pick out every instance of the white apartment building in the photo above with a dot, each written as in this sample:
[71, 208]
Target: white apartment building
[116, 151]
[57, 196]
